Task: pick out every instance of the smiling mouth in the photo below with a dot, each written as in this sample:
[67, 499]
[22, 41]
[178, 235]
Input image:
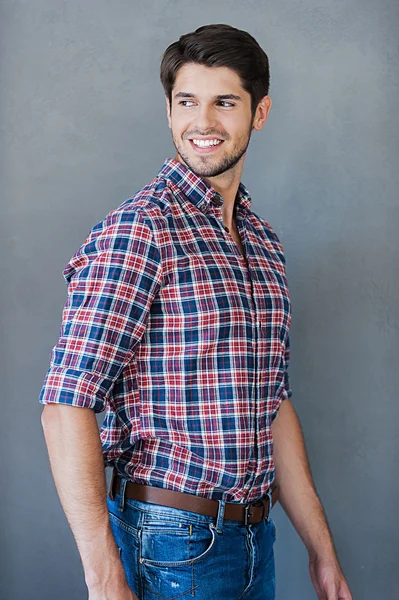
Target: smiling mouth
[205, 147]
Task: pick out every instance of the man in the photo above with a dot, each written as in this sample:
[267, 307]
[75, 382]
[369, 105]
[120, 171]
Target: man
[177, 325]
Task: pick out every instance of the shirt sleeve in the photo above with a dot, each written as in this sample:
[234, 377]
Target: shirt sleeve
[112, 280]
[284, 390]
[287, 391]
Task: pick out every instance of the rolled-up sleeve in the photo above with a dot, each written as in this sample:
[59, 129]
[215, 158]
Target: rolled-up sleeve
[287, 391]
[284, 390]
[112, 281]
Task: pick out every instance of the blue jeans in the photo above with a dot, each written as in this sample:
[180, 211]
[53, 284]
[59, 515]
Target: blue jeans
[169, 553]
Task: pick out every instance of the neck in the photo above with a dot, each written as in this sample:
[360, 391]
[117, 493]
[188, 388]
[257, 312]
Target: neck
[226, 184]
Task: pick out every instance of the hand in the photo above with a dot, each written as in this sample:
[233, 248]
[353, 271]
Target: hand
[328, 579]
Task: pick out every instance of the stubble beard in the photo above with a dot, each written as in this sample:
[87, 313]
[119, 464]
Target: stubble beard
[212, 169]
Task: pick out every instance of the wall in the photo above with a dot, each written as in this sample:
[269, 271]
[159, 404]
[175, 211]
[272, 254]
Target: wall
[84, 126]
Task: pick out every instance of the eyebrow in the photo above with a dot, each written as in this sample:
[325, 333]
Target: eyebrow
[218, 97]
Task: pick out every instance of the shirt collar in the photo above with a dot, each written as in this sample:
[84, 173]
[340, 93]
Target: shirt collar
[196, 189]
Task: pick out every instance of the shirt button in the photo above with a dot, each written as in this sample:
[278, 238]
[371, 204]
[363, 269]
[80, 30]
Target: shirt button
[217, 200]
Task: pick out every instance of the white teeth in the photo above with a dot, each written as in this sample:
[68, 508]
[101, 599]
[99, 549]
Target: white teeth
[205, 143]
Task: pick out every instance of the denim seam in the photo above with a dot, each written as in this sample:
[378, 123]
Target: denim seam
[139, 565]
[180, 563]
[251, 558]
[189, 536]
[174, 597]
[158, 529]
[192, 580]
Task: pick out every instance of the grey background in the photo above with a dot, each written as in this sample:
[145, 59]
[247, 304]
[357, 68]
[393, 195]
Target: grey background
[83, 127]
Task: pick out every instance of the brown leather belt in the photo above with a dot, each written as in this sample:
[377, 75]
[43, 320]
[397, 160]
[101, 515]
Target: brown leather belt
[248, 513]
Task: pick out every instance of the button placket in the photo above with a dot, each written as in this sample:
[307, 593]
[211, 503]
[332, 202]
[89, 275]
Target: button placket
[240, 219]
[235, 246]
[254, 321]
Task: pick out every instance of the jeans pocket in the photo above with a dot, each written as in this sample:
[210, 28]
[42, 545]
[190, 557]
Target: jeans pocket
[168, 555]
[122, 530]
[176, 544]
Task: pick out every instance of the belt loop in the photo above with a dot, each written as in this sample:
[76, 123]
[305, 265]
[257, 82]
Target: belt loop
[121, 505]
[220, 515]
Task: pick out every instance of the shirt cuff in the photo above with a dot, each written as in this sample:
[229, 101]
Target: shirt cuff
[284, 393]
[76, 388]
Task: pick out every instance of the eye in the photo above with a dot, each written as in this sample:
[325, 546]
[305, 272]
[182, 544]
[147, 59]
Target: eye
[219, 102]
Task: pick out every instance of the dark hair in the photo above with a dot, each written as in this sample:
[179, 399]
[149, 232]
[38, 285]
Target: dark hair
[219, 46]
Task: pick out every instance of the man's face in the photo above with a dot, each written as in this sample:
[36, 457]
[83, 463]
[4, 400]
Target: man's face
[197, 113]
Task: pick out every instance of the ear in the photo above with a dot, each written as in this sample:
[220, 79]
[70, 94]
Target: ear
[262, 112]
[168, 110]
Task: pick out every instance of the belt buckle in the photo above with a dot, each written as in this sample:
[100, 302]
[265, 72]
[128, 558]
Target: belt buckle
[262, 503]
[247, 514]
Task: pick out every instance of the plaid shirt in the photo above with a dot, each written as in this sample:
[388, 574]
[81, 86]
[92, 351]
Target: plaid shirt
[185, 348]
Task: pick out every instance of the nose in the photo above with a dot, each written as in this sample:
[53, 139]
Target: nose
[205, 118]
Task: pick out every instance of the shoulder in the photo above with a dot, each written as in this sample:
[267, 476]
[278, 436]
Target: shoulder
[148, 205]
[146, 208]
[131, 225]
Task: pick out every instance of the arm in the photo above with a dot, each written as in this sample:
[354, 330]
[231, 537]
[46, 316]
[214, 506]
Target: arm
[77, 465]
[112, 281]
[299, 500]
[297, 492]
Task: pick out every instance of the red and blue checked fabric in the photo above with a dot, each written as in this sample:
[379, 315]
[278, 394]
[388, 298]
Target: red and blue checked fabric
[182, 344]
